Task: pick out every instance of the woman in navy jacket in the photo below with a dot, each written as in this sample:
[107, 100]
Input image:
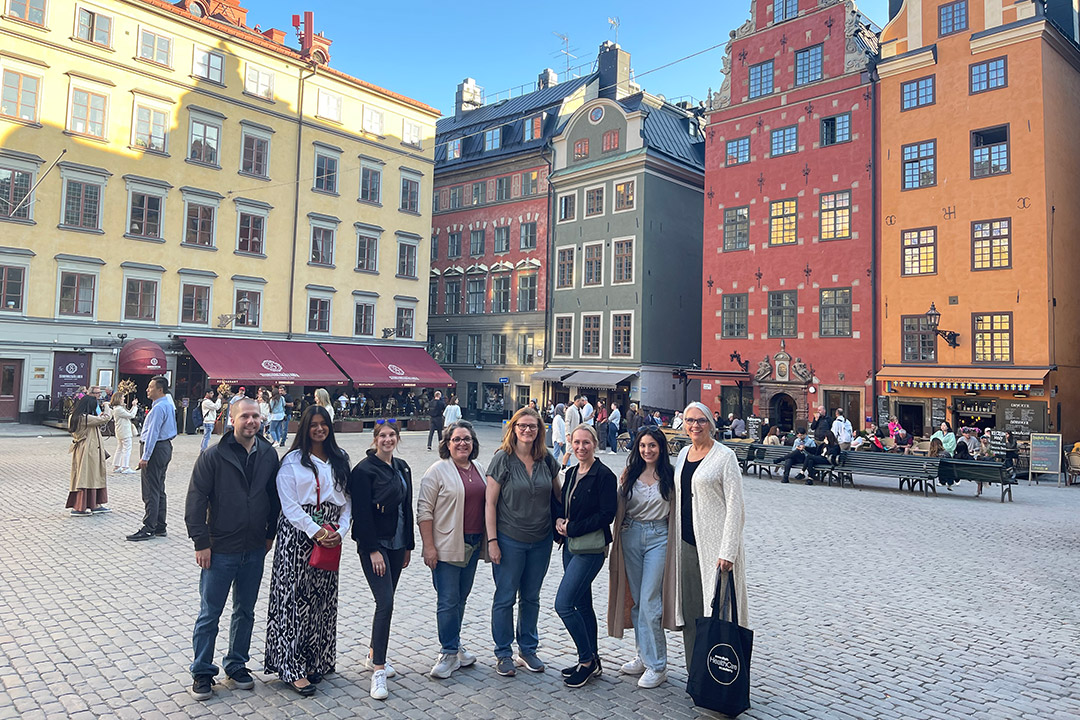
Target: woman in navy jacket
[589, 503]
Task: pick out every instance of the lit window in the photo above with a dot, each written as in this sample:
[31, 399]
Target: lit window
[835, 313]
[782, 222]
[992, 338]
[836, 215]
[919, 252]
[530, 182]
[991, 247]
[624, 195]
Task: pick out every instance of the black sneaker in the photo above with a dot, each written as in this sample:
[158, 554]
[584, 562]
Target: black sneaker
[581, 676]
[809, 481]
[203, 687]
[597, 668]
[242, 678]
[141, 535]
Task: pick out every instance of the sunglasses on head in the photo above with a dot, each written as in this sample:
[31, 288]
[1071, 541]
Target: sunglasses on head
[383, 421]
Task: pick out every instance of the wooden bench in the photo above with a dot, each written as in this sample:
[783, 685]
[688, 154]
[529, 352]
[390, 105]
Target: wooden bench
[742, 452]
[951, 470]
[910, 470]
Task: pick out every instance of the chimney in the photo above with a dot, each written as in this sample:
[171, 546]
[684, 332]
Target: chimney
[614, 63]
[467, 98]
[547, 79]
[274, 35]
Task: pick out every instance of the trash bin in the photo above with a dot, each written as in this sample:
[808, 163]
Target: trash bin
[41, 409]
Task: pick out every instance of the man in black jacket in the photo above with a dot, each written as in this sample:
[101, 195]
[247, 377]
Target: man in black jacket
[435, 413]
[231, 515]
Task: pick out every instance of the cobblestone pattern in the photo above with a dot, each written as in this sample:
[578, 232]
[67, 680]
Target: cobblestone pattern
[866, 603]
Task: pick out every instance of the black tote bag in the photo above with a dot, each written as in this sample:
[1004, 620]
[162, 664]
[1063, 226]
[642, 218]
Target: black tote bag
[719, 674]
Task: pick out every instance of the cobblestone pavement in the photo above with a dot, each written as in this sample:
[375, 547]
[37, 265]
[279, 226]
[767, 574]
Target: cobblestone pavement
[866, 603]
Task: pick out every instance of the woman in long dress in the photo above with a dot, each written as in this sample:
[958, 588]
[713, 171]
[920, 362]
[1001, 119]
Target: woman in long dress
[301, 625]
[88, 493]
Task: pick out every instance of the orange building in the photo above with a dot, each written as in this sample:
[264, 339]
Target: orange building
[977, 105]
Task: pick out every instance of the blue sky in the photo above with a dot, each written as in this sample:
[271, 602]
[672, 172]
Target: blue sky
[423, 49]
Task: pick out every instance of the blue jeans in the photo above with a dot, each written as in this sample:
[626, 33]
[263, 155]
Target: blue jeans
[518, 576]
[207, 431]
[644, 551]
[277, 430]
[558, 450]
[452, 586]
[613, 437]
[573, 601]
[243, 573]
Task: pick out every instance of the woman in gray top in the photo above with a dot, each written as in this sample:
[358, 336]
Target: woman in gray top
[518, 518]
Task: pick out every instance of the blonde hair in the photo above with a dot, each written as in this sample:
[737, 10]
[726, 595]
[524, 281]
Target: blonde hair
[589, 429]
[117, 399]
[322, 397]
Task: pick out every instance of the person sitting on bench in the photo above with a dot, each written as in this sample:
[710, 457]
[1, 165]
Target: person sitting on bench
[797, 454]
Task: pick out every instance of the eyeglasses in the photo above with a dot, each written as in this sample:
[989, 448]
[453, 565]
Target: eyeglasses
[383, 421]
[526, 428]
[462, 441]
[695, 421]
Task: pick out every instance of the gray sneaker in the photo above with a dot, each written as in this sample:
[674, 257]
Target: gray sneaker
[467, 658]
[445, 666]
[505, 666]
[530, 662]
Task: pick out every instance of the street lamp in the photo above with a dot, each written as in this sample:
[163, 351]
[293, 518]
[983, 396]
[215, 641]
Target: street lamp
[242, 307]
[933, 317]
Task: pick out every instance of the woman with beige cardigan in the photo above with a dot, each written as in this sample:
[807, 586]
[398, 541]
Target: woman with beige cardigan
[450, 513]
[708, 523]
[642, 562]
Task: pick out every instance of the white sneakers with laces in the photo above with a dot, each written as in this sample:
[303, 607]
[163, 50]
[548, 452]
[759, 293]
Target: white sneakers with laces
[652, 678]
[634, 667]
[378, 685]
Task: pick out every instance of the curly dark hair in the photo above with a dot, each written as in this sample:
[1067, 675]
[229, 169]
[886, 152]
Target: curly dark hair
[444, 443]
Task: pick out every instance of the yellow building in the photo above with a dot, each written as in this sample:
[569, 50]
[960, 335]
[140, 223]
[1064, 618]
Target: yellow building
[194, 177]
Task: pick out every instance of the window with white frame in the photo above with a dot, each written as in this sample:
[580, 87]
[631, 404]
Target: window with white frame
[146, 208]
[479, 193]
[94, 27]
[457, 197]
[594, 201]
[526, 349]
[78, 293]
[17, 176]
[622, 334]
[405, 322]
[590, 335]
[473, 350]
[453, 245]
[364, 318]
[140, 299]
[370, 182]
[373, 120]
[247, 307]
[594, 264]
[326, 171]
[567, 207]
[534, 128]
[88, 112]
[367, 249]
[155, 47]
[84, 196]
[259, 82]
[564, 335]
[32, 11]
[527, 292]
[502, 188]
[502, 239]
[475, 295]
[194, 303]
[453, 149]
[452, 295]
[624, 195]
[406, 264]
[318, 313]
[12, 283]
[329, 105]
[209, 65]
[528, 236]
[500, 293]
[410, 192]
[411, 133]
[150, 129]
[530, 182]
[252, 219]
[564, 277]
[200, 217]
[477, 242]
[622, 261]
[322, 242]
[492, 139]
[21, 95]
[204, 139]
[255, 150]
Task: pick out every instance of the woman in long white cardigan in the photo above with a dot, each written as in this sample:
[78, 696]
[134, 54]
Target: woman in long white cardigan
[713, 539]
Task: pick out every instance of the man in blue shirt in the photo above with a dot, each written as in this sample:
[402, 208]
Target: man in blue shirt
[158, 431]
[798, 454]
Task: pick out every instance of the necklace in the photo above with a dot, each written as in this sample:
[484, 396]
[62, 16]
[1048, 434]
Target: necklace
[465, 474]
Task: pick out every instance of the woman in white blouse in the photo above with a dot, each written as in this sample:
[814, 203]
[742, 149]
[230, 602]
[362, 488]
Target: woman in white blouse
[125, 432]
[301, 626]
[322, 399]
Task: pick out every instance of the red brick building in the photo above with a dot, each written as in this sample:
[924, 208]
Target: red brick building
[489, 286]
[789, 216]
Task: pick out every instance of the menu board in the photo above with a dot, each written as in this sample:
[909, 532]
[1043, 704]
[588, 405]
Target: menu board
[937, 413]
[1022, 417]
[1045, 453]
[997, 441]
[883, 411]
[753, 428]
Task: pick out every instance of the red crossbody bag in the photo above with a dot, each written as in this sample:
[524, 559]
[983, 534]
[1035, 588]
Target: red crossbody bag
[324, 558]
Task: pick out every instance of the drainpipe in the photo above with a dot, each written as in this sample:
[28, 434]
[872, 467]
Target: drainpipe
[875, 323]
[296, 190]
[548, 155]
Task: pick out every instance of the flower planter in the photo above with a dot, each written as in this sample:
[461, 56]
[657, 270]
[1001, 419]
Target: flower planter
[348, 426]
[421, 424]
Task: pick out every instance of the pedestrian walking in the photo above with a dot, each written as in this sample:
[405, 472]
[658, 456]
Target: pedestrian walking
[435, 415]
[450, 515]
[209, 409]
[231, 515]
[709, 522]
[614, 425]
[277, 416]
[301, 623]
[126, 433]
[573, 419]
[517, 515]
[158, 431]
[264, 411]
[381, 489]
[587, 412]
[841, 428]
[452, 413]
[589, 503]
[88, 493]
[558, 433]
[642, 564]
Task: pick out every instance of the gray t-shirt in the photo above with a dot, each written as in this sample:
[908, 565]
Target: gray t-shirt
[524, 509]
[646, 504]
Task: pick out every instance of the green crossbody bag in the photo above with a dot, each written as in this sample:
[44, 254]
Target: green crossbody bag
[591, 543]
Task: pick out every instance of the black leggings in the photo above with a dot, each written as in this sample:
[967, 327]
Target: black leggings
[382, 589]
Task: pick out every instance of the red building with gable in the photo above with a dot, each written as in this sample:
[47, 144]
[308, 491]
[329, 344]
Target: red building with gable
[788, 320]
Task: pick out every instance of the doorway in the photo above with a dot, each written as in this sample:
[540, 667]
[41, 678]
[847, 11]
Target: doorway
[10, 382]
[911, 418]
[847, 400]
[782, 411]
[470, 401]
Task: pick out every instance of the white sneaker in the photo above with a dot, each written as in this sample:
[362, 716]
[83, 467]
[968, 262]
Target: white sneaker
[129, 471]
[466, 658]
[390, 672]
[650, 679]
[445, 666]
[634, 667]
[378, 686]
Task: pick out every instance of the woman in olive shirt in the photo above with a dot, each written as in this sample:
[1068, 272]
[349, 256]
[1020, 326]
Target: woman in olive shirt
[518, 521]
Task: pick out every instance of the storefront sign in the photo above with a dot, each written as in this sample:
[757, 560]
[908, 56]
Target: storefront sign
[1045, 453]
[70, 372]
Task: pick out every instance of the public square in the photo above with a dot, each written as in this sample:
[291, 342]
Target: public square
[866, 603]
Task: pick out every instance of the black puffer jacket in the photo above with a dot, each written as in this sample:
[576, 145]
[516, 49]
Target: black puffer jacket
[376, 494]
[223, 511]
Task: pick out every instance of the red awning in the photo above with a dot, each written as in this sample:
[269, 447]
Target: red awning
[264, 362]
[384, 366]
[142, 357]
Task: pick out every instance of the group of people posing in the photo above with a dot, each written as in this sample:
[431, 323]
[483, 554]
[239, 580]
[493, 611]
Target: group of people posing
[669, 532]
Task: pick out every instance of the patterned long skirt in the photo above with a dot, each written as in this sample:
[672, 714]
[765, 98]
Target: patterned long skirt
[301, 625]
